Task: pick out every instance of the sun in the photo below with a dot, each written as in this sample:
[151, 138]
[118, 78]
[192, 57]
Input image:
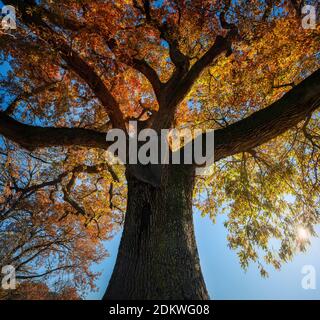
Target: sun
[303, 234]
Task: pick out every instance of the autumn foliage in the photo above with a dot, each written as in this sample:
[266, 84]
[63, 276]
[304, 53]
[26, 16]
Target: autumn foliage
[97, 64]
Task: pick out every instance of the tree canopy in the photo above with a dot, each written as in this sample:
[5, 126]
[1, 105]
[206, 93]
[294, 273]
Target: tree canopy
[75, 69]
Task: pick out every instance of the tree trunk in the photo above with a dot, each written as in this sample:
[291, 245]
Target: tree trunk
[158, 257]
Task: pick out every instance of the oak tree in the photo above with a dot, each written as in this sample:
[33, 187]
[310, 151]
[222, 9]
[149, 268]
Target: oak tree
[77, 69]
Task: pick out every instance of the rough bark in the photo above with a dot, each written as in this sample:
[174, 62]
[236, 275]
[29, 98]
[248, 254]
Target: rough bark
[32, 137]
[158, 256]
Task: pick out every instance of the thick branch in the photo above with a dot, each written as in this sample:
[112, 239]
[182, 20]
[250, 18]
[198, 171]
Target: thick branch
[31, 137]
[270, 122]
[297, 5]
[176, 56]
[183, 79]
[75, 205]
[143, 67]
[183, 85]
[220, 46]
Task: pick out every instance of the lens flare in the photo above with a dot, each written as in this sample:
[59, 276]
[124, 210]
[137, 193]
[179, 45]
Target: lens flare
[303, 234]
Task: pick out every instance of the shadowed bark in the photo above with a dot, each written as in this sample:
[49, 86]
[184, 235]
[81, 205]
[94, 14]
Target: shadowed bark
[32, 137]
[158, 256]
